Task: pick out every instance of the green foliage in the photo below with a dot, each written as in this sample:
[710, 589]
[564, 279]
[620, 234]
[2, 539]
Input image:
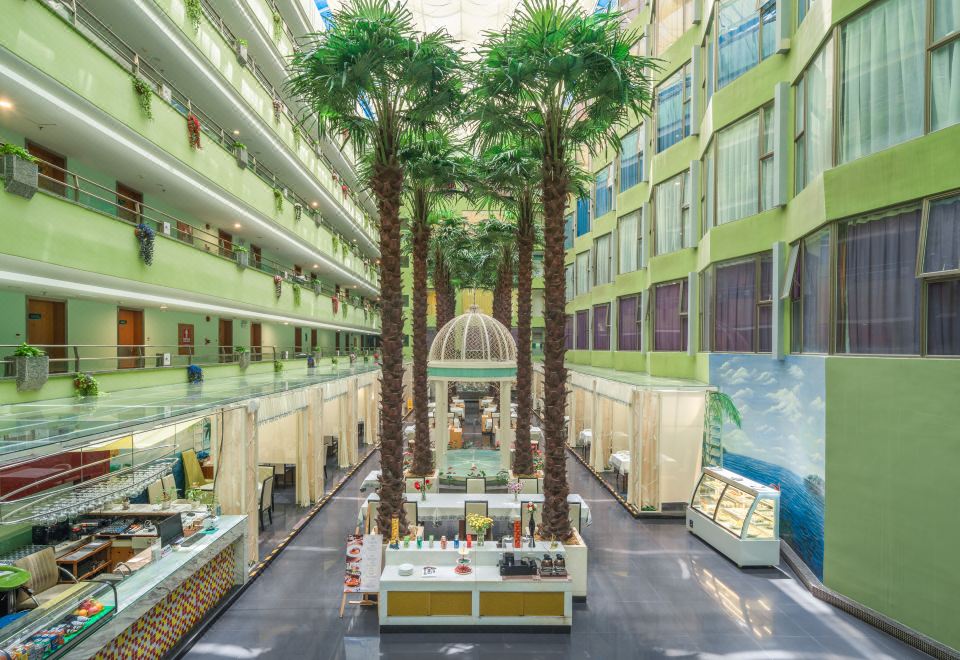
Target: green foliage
[239, 145]
[144, 96]
[242, 249]
[194, 13]
[278, 200]
[277, 26]
[296, 294]
[277, 366]
[239, 350]
[721, 407]
[25, 350]
[10, 149]
[242, 43]
[85, 385]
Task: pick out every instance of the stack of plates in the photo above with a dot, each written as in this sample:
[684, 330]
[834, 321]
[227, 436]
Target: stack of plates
[405, 569]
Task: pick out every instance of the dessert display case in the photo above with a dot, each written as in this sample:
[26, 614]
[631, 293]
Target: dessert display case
[53, 630]
[737, 516]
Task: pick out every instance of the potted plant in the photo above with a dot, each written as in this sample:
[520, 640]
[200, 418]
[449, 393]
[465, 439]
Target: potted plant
[193, 131]
[240, 149]
[479, 524]
[297, 212]
[333, 361]
[277, 200]
[32, 367]
[19, 170]
[277, 366]
[296, 294]
[194, 374]
[242, 255]
[277, 285]
[146, 237]
[144, 96]
[242, 51]
[85, 385]
[243, 356]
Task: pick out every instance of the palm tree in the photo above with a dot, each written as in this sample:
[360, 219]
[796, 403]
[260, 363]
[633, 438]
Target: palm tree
[720, 408]
[448, 244]
[496, 253]
[435, 166]
[372, 78]
[564, 80]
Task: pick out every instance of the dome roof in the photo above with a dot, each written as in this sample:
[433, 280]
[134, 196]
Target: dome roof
[476, 338]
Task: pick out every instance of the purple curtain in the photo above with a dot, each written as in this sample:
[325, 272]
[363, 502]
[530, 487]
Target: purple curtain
[568, 333]
[878, 297]
[942, 249]
[736, 298]
[943, 318]
[583, 330]
[628, 334]
[667, 335]
[601, 327]
[815, 293]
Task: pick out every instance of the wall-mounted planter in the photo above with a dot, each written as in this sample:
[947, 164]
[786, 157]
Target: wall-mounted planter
[244, 360]
[297, 212]
[32, 372]
[243, 258]
[19, 176]
[242, 157]
[242, 54]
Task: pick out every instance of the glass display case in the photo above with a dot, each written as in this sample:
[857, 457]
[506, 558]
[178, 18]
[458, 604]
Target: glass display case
[737, 516]
[52, 630]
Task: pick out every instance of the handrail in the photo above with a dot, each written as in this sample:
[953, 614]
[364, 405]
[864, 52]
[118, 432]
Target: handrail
[182, 104]
[133, 211]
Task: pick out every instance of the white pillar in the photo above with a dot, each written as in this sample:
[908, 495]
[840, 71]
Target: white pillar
[441, 432]
[504, 431]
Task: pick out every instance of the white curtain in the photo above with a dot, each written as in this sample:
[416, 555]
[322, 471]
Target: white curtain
[882, 78]
[601, 255]
[627, 241]
[583, 272]
[945, 70]
[738, 148]
[568, 275]
[667, 199]
[818, 81]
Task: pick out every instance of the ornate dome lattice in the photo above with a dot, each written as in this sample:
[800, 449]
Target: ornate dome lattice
[474, 337]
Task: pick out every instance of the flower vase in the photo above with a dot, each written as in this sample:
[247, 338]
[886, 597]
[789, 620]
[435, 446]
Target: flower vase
[480, 540]
[516, 497]
[423, 494]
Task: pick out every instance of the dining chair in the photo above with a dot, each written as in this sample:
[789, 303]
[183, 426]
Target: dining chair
[529, 485]
[575, 513]
[479, 507]
[476, 485]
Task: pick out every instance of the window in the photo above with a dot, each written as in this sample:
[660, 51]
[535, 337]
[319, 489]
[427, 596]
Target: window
[810, 295]
[583, 216]
[744, 169]
[673, 18]
[629, 242]
[406, 300]
[673, 108]
[568, 332]
[628, 323]
[601, 261]
[673, 227]
[813, 129]
[568, 232]
[670, 316]
[583, 272]
[631, 158]
[738, 305]
[405, 261]
[569, 289]
[583, 330]
[601, 327]
[878, 292]
[603, 191]
[945, 65]
[709, 73]
[803, 8]
[881, 82]
[746, 35]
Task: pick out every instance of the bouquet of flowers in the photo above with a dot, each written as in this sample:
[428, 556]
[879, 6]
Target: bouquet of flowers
[538, 461]
[514, 487]
[422, 486]
[479, 524]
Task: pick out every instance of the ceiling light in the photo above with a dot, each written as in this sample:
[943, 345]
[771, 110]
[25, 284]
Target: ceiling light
[5, 104]
[316, 265]
[163, 307]
[314, 205]
[236, 225]
[236, 132]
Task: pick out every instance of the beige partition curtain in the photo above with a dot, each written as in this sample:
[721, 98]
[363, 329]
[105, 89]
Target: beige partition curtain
[316, 449]
[236, 485]
[634, 444]
[343, 431]
[650, 452]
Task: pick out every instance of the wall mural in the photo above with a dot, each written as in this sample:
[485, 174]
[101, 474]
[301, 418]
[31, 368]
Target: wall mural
[781, 441]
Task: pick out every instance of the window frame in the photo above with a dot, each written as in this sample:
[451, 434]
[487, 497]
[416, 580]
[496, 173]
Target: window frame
[637, 214]
[593, 323]
[933, 45]
[576, 328]
[637, 321]
[596, 266]
[610, 197]
[715, 38]
[686, 120]
[641, 136]
[686, 23]
[588, 276]
[684, 206]
[682, 315]
[710, 297]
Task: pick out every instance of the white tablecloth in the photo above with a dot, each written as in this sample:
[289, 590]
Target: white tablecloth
[410, 430]
[536, 433]
[371, 481]
[449, 506]
[585, 438]
[621, 461]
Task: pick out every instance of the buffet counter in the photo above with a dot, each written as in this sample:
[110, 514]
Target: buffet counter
[161, 602]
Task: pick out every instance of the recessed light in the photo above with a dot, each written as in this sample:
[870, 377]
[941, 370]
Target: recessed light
[314, 205]
[236, 132]
[163, 307]
[316, 265]
[5, 104]
[236, 225]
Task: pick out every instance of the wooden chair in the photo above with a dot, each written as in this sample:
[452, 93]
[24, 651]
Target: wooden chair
[575, 514]
[412, 513]
[266, 500]
[529, 485]
[476, 485]
[479, 507]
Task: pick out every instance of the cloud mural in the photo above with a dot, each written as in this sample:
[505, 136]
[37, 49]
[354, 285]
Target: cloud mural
[781, 441]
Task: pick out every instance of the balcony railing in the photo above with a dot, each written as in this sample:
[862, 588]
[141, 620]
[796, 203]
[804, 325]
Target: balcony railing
[185, 107]
[77, 189]
[106, 358]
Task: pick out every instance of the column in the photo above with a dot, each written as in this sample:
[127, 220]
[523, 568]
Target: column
[504, 433]
[441, 432]
[595, 423]
[236, 486]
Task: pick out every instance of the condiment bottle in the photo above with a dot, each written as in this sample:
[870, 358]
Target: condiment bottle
[443, 542]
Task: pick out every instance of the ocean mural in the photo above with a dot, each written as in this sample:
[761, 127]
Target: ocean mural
[781, 441]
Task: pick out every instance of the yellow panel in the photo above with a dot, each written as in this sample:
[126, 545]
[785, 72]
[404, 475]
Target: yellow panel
[451, 603]
[501, 603]
[543, 604]
[408, 603]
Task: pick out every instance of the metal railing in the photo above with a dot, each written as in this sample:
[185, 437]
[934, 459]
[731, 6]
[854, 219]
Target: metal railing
[180, 102]
[75, 188]
[105, 358]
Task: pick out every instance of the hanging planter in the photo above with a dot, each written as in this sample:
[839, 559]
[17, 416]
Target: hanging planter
[146, 237]
[242, 256]
[277, 109]
[296, 294]
[277, 366]
[243, 356]
[277, 26]
[240, 150]
[277, 285]
[335, 242]
[336, 304]
[144, 97]
[194, 13]
[315, 284]
[32, 367]
[297, 136]
[85, 385]
[194, 374]
[193, 131]
[242, 52]
[297, 212]
[20, 171]
[277, 200]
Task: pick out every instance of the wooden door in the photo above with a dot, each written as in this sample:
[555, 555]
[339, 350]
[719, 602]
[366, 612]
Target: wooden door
[52, 169]
[185, 232]
[185, 338]
[257, 255]
[313, 339]
[129, 202]
[47, 328]
[256, 342]
[297, 340]
[226, 340]
[129, 338]
[336, 341]
[226, 244]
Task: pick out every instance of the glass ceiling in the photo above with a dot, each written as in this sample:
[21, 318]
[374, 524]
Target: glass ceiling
[26, 426]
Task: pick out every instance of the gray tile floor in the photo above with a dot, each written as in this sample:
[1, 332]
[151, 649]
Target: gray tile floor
[656, 591]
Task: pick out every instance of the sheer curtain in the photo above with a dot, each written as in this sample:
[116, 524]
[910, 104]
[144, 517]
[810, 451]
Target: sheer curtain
[601, 327]
[815, 293]
[667, 199]
[568, 333]
[818, 81]
[601, 255]
[945, 70]
[737, 39]
[943, 318]
[736, 301]
[627, 242]
[583, 330]
[666, 325]
[583, 272]
[942, 247]
[670, 111]
[882, 77]
[630, 159]
[738, 149]
[878, 296]
[628, 335]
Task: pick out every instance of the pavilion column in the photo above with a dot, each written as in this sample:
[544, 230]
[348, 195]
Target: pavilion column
[441, 432]
[504, 432]
[353, 392]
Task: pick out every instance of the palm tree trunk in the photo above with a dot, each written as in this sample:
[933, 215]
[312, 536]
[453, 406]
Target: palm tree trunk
[556, 510]
[503, 291]
[387, 184]
[523, 457]
[422, 458]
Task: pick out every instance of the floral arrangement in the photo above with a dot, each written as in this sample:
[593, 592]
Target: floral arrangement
[277, 285]
[479, 524]
[193, 131]
[277, 108]
[144, 96]
[531, 507]
[86, 385]
[278, 200]
[336, 304]
[146, 236]
[277, 366]
[514, 487]
[538, 461]
[194, 374]
[297, 212]
[476, 471]
[422, 485]
[407, 456]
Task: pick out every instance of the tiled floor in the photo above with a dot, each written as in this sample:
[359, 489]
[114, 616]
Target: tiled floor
[656, 591]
